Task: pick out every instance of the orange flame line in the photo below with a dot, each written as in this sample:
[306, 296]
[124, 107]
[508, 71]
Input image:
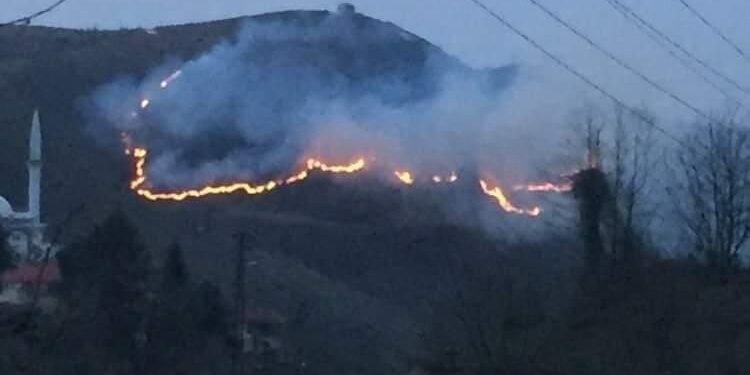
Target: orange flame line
[404, 176]
[545, 187]
[505, 203]
[408, 178]
[251, 189]
[139, 154]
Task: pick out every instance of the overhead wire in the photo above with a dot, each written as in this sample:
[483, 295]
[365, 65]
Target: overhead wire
[640, 22]
[576, 72]
[715, 29]
[618, 60]
[681, 59]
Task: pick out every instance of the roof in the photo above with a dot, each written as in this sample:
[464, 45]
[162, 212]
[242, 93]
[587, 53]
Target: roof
[30, 272]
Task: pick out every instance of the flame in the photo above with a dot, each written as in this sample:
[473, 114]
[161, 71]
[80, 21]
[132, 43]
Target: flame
[505, 203]
[404, 176]
[356, 166]
[137, 184]
[296, 178]
[545, 187]
[140, 176]
[164, 83]
[140, 186]
[408, 178]
[451, 178]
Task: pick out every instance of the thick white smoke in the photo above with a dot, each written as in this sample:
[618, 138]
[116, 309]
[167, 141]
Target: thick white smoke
[329, 85]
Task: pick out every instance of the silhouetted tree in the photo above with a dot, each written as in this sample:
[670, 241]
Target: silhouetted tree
[592, 192]
[105, 278]
[174, 272]
[211, 309]
[715, 186]
[612, 189]
[185, 320]
[631, 164]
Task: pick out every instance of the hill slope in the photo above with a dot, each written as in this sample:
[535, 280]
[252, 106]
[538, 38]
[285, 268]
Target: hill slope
[54, 69]
[352, 238]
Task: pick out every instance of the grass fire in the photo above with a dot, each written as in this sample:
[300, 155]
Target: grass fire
[472, 187]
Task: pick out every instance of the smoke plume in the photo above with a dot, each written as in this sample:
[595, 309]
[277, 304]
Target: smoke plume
[331, 86]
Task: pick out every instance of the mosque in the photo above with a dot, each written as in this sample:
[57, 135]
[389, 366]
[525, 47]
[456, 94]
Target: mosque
[24, 228]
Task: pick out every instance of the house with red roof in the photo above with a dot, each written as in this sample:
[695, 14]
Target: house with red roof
[21, 284]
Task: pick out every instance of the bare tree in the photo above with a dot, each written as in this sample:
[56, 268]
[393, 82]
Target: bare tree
[714, 171]
[631, 166]
[590, 189]
[614, 185]
[587, 133]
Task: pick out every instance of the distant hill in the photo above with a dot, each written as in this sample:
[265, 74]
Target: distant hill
[53, 69]
[360, 243]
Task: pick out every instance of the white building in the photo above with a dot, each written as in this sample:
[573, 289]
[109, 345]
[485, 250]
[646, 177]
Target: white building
[25, 228]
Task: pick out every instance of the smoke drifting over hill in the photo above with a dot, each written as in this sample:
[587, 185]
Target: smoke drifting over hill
[328, 85]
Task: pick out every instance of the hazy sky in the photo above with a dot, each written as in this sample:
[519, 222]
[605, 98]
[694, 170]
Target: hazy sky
[466, 32]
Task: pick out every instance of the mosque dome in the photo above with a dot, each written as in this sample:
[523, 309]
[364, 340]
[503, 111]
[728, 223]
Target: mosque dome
[5, 209]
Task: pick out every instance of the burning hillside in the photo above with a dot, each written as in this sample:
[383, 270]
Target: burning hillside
[139, 183]
[269, 108]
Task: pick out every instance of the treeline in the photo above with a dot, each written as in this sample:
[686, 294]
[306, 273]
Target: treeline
[659, 285]
[650, 280]
[120, 312]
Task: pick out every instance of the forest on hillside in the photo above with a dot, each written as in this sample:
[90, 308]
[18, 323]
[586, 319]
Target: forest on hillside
[629, 256]
[602, 297]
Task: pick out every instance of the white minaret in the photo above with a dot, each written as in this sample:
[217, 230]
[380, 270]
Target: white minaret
[35, 168]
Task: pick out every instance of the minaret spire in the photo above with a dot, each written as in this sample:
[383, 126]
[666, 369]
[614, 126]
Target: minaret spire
[35, 139]
[35, 167]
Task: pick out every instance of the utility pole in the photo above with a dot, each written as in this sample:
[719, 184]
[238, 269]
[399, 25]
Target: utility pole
[240, 305]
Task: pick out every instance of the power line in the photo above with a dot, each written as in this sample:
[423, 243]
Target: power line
[616, 59]
[575, 72]
[628, 12]
[715, 29]
[661, 43]
[27, 19]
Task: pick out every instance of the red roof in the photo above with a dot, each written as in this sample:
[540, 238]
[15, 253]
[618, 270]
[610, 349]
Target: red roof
[29, 273]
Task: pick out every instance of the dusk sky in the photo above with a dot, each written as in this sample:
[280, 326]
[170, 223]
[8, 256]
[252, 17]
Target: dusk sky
[463, 30]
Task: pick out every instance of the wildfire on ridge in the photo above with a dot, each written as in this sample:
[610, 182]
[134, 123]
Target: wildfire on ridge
[139, 181]
[561, 187]
[137, 184]
[164, 83]
[408, 178]
[404, 176]
[453, 177]
[505, 203]
[356, 166]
